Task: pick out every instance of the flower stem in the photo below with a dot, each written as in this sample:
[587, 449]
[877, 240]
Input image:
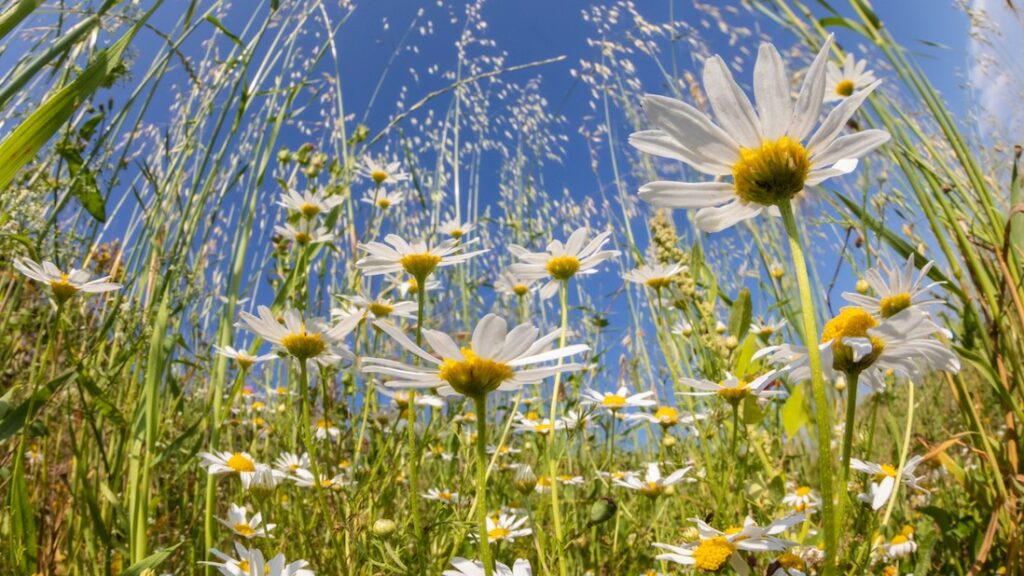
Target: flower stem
[844, 467]
[822, 410]
[481, 482]
[413, 446]
[904, 450]
[556, 512]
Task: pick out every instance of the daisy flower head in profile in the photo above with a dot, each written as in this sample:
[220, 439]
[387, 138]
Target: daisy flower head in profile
[503, 527]
[760, 157]
[243, 359]
[767, 328]
[290, 463]
[654, 276]
[382, 199]
[463, 567]
[381, 172]
[416, 259]
[896, 289]
[221, 463]
[666, 417]
[305, 479]
[64, 286]
[560, 262]
[509, 284]
[615, 401]
[442, 495]
[304, 233]
[244, 527]
[734, 390]
[542, 426]
[716, 548]
[802, 499]
[882, 484]
[842, 82]
[357, 308]
[455, 229]
[324, 429]
[304, 340]
[901, 545]
[497, 359]
[653, 484]
[309, 203]
[788, 564]
[251, 562]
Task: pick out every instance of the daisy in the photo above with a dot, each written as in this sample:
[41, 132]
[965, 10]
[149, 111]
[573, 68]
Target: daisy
[443, 496]
[324, 429]
[789, 564]
[509, 284]
[310, 340]
[305, 479]
[841, 83]
[247, 529]
[290, 463]
[896, 290]
[358, 308]
[901, 545]
[765, 153]
[241, 357]
[407, 286]
[64, 286]
[383, 199]
[416, 259]
[683, 329]
[802, 499]
[655, 276]
[538, 425]
[250, 562]
[264, 479]
[505, 527]
[305, 234]
[653, 484]
[883, 480]
[767, 328]
[562, 261]
[715, 548]
[570, 480]
[381, 171]
[496, 359]
[218, 463]
[401, 398]
[615, 401]
[734, 389]
[465, 567]
[455, 229]
[309, 203]
[666, 417]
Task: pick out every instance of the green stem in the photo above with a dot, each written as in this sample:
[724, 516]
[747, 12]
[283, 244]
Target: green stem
[556, 511]
[481, 482]
[903, 453]
[413, 447]
[822, 410]
[844, 466]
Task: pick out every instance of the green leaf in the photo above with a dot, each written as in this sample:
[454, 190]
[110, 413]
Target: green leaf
[83, 182]
[15, 419]
[217, 23]
[739, 317]
[752, 413]
[794, 412]
[149, 561]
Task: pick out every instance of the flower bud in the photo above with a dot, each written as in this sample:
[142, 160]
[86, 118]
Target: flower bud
[383, 527]
[602, 510]
[525, 480]
[862, 286]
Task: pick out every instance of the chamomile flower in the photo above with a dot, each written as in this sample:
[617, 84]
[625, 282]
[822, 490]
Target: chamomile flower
[802, 499]
[382, 171]
[666, 417]
[382, 199]
[841, 83]
[305, 479]
[767, 328]
[901, 545]
[789, 564]
[883, 480]
[304, 233]
[219, 463]
[497, 359]
[325, 430]
[250, 562]
[503, 527]
[734, 389]
[455, 229]
[896, 290]
[416, 259]
[358, 308]
[241, 357]
[410, 286]
[290, 463]
[560, 262]
[463, 567]
[509, 284]
[249, 528]
[760, 157]
[655, 276]
[401, 398]
[716, 548]
[615, 401]
[443, 496]
[309, 203]
[264, 479]
[303, 340]
[64, 286]
[542, 426]
[683, 329]
[653, 484]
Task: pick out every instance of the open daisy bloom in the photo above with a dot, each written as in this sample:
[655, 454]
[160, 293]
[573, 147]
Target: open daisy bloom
[383, 172]
[653, 484]
[883, 480]
[250, 562]
[562, 261]
[220, 463]
[510, 284]
[734, 389]
[655, 276]
[896, 290]
[64, 286]
[358, 308]
[666, 417]
[245, 528]
[309, 203]
[304, 233]
[303, 340]
[502, 527]
[615, 401]
[715, 548]
[241, 357]
[455, 229]
[416, 259]
[382, 199]
[463, 567]
[843, 82]
[768, 153]
[497, 359]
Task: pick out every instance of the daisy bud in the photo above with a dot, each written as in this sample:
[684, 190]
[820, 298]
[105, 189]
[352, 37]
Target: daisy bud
[668, 440]
[383, 527]
[525, 480]
[284, 156]
[862, 287]
[731, 342]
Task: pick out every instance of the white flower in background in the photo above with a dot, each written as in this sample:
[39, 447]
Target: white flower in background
[577, 418]
[304, 340]
[802, 499]
[250, 528]
[309, 203]
[304, 233]
[683, 329]
[767, 328]
[883, 480]
[442, 495]
[64, 286]
[250, 562]
[653, 484]
[734, 389]
[496, 359]
[509, 284]
[401, 398]
[896, 290]
[264, 479]
[654, 276]
[843, 82]
[561, 262]
[290, 463]
[382, 171]
[358, 308]
[410, 286]
[463, 567]
[715, 548]
[219, 463]
[455, 229]
[505, 527]
[901, 545]
[615, 401]
[325, 430]
[666, 417]
[790, 564]
[416, 259]
[241, 357]
[383, 199]
[542, 426]
[759, 157]
[305, 479]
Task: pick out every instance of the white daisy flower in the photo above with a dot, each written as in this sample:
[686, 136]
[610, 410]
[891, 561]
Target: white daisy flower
[309, 203]
[496, 359]
[264, 479]
[542, 426]
[305, 479]
[655, 276]
[465, 567]
[416, 259]
[653, 484]
[734, 389]
[455, 229]
[241, 357]
[577, 418]
[324, 430]
[562, 261]
[358, 308]
[666, 417]
[64, 286]
[765, 152]
[309, 340]
[401, 398]
[246, 528]
[615, 401]
[304, 233]
[715, 548]
[290, 463]
[443, 496]
[802, 499]
[219, 463]
[383, 199]
[382, 171]
[896, 290]
[767, 328]
[789, 564]
[683, 329]
[505, 527]
[842, 82]
[410, 286]
[509, 284]
[883, 480]
[250, 562]
[901, 545]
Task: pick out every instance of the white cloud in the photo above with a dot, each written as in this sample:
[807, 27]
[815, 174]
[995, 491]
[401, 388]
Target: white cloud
[997, 71]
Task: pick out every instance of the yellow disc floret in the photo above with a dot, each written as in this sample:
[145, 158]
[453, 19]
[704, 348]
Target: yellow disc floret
[378, 176]
[474, 376]
[712, 554]
[735, 393]
[773, 173]
[563, 267]
[659, 282]
[62, 289]
[381, 309]
[844, 88]
[613, 402]
[241, 463]
[667, 415]
[303, 345]
[852, 322]
[420, 265]
[244, 530]
[309, 210]
[893, 305]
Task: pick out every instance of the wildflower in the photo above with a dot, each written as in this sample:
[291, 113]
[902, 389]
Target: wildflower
[416, 259]
[883, 480]
[538, 425]
[615, 401]
[683, 329]
[407, 286]
[289, 463]
[496, 359]
[843, 82]
[305, 233]
[309, 340]
[666, 417]
[240, 526]
[715, 548]
[324, 430]
[788, 564]
[383, 199]
[241, 357]
[443, 496]
[305, 479]
[802, 499]
[358, 308]
[218, 463]
[505, 527]
[465, 567]
[250, 562]
[309, 203]
[896, 291]
[455, 229]
[901, 545]
[767, 328]
[653, 484]
[264, 479]
[561, 262]
[383, 172]
[64, 286]
[654, 276]
[734, 389]
[765, 152]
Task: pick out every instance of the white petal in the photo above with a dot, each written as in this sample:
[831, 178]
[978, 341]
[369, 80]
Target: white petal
[671, 194]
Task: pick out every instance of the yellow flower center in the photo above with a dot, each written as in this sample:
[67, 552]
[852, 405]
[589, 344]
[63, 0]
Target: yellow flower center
[244, 530]
[303, 345]
[499, 533]
[565, 478]
[852, 322]
[887, 470]
[323, 424]
[659, 283]
[241, 463]
[893, 305]
[803, 491]
[532, 416]
[773, 173]
[543, 428]
[652, 489]
[474, 376]
[379, 176]
[563, 267]
[899, 539]
[244, 361]
[844, 88]
[383, 203]
[445, 495]
[520, 289]
[419, 265]
[243, 565]
[712, 554]
[790, 560]
[380, 309]
[613, 401]
[907, 531]
[62, 289]
[257, 405]
[413, 286]
[303, 238]
[735, 393]
[667, 415]
[309, 210]
[456, 233]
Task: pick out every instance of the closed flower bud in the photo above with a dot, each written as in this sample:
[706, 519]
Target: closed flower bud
[383, 527]
[862, 287]
[525, 480]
